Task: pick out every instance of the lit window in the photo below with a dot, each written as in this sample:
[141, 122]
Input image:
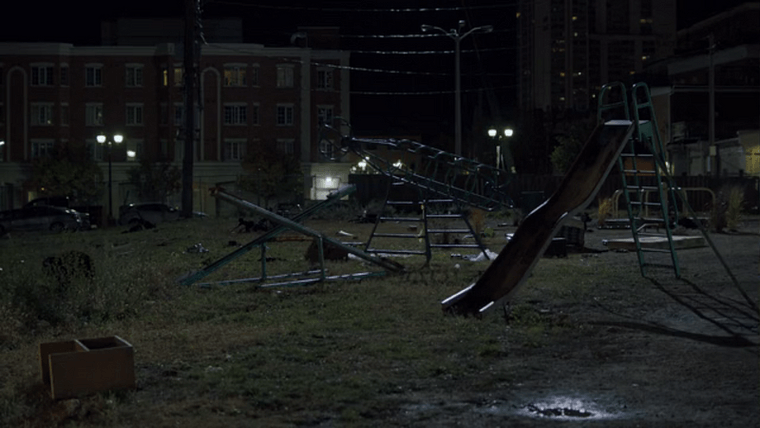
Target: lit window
[177, 75]
[234, 75]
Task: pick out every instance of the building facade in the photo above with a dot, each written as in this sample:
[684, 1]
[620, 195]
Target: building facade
[709, 110]
[250, 96]
[570, 48]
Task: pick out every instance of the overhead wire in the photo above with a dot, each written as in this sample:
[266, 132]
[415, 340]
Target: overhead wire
[368, 10]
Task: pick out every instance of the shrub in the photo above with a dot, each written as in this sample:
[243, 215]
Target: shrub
[604, 211]
[727, 211]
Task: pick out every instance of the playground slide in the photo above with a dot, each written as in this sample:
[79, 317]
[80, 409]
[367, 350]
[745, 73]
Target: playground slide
[512, 267]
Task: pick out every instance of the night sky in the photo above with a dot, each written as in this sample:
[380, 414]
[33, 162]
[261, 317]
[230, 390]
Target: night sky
[60, 21]
[273, 22]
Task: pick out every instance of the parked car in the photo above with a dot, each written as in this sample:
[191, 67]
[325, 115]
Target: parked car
[63, 202]
[152, 212]
[42, 217]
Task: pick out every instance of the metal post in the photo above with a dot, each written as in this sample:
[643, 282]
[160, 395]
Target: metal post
[189, 90]
[456, 35]
[110, 187]
[711, 107]
[458, 99]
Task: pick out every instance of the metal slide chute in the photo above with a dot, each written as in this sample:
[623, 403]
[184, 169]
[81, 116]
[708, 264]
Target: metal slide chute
[513, 265]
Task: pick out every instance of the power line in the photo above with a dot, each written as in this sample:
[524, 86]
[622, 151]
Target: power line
[353, 51]
[409, 36]
[371, 10]
[340, 67]
[430, 92]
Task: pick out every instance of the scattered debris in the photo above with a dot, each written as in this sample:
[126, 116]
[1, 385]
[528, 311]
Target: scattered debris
[343, 233]
[247, 226]
[197, 248]
[476, 257]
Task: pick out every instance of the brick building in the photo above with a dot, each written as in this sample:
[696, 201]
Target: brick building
[250, 95]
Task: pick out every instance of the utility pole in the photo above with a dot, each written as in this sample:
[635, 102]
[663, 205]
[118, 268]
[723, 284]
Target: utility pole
[456, 35]
[711, 119]
[191, 16]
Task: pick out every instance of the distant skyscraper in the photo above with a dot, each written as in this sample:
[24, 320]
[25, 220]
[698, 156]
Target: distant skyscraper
[570, 48]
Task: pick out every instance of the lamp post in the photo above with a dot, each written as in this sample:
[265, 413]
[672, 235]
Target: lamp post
[456, 35]
[494, 133]
[102, 139]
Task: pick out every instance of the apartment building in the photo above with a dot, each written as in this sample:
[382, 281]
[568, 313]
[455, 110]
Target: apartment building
[249, 95]
[570, 48]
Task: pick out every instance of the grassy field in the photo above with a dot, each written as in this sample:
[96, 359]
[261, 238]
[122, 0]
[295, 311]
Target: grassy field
[281, 355]
[345, 353]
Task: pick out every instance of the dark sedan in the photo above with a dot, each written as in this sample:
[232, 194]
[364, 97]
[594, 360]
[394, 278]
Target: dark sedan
[42, 217]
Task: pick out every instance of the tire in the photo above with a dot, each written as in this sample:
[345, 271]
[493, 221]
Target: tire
[57, 227]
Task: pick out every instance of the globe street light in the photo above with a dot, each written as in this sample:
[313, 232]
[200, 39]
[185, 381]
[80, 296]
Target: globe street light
[117, 139]
[494, 133]
[457, 36]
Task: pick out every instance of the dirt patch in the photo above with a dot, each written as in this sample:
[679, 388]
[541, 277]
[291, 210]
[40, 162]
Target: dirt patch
[659, 351]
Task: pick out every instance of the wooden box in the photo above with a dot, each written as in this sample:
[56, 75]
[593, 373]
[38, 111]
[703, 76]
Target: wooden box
[84, 366]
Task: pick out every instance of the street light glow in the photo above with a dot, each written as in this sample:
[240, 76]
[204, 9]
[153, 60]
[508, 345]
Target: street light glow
[492, 132]
[101, 139]
[508, 132]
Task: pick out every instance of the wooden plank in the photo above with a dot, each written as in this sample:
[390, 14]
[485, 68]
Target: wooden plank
[52, 348]
[89, 365]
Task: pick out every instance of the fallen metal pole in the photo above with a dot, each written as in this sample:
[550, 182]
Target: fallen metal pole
[384, 263]
[195, 276]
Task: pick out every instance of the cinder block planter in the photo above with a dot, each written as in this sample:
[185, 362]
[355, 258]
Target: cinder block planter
[84, 366]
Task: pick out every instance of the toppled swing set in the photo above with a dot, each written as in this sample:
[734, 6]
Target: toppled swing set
[445, 178]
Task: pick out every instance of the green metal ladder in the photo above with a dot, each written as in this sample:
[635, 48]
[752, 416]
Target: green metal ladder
[644, 156]
[425, 221]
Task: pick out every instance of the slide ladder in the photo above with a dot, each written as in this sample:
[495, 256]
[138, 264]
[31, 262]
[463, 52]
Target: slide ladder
[436, 225]
[580, 185]
[642, 164]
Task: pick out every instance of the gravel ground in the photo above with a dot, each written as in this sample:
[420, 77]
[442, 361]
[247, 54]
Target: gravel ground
[649, 352]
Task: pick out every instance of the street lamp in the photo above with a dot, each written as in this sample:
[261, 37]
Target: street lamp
[494, 133]
[102, 139]
[457, 36]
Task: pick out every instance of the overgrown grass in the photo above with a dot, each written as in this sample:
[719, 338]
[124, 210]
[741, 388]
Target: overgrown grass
[339, 353]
